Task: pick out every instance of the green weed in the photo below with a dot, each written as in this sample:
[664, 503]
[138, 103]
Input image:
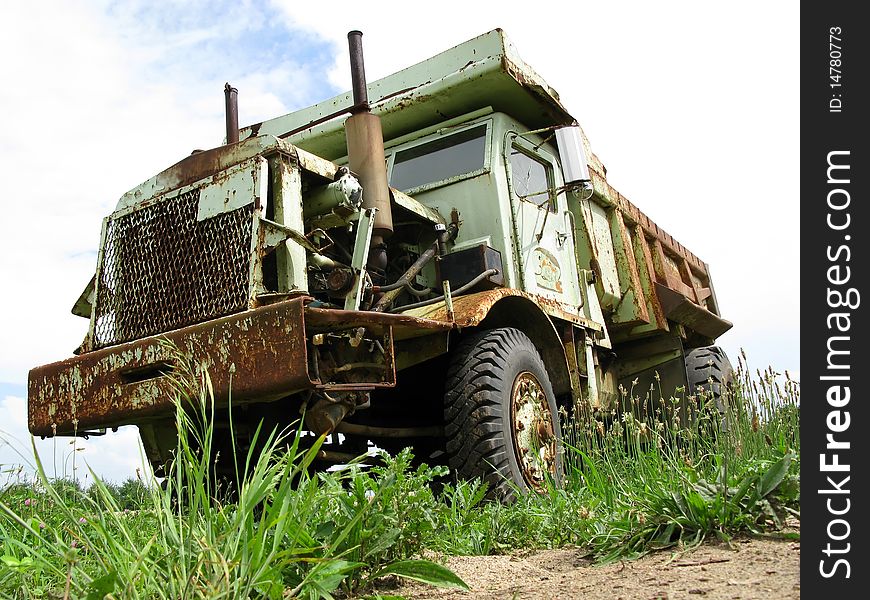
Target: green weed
[280, 533]
[637, 479]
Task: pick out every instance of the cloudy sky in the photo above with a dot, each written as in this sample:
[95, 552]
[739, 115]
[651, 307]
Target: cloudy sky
[692, 106]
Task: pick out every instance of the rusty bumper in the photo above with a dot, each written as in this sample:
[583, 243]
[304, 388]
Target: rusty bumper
[263, 354]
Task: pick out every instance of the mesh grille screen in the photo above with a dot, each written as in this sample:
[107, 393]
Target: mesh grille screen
[162, 269]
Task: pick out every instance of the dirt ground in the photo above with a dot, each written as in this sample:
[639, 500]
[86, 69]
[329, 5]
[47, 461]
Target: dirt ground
[748, 568]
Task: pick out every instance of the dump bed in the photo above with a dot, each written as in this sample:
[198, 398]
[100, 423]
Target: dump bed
[653, 278]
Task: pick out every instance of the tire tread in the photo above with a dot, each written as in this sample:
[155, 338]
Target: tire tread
[476, 444]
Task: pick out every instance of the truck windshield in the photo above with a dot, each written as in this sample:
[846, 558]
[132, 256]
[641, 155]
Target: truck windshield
[441, 159]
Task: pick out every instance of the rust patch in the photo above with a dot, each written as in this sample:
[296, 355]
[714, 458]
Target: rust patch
[203, 164]
[261, 353]
[412, 100]
[648, 276]
[404, 326]
[471, 310]
[547, 97]
[627, 262]
[682, 310]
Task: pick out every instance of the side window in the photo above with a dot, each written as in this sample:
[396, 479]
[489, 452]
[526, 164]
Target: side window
[531, 179]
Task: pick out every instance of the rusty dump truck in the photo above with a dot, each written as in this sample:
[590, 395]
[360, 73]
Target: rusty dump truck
[435, 260]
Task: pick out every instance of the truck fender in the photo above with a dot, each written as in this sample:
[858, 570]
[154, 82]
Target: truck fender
[523, 314]
[506, 307]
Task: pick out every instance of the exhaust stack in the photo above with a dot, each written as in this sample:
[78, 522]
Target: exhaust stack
[357, 70]
[365, 151]
[231, 102]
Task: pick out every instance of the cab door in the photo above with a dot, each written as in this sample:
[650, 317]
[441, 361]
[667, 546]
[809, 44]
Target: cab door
[544, 241]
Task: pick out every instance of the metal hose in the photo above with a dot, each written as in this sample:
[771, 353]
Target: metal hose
[459, 291]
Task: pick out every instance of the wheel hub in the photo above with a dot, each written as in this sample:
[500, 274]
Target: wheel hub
[534, 437]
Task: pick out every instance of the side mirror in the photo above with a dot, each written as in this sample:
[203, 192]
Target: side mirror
[573, 157]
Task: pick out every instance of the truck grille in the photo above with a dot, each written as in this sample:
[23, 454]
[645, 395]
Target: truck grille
[163, 269]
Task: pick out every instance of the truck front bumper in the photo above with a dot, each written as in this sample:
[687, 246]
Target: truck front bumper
[261, 354]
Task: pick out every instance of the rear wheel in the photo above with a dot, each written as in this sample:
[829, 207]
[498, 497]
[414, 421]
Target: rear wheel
[501, 422]
[709, 374]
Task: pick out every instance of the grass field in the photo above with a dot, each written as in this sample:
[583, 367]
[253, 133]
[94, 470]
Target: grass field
[637, 480]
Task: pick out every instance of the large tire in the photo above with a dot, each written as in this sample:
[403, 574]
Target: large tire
[501, 419]
[709, 374]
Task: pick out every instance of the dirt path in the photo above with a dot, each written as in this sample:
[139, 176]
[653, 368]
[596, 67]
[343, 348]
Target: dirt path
[751, 569]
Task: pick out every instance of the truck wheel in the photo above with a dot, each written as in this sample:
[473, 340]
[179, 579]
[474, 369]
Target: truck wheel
[709, 372]
[500, 414]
